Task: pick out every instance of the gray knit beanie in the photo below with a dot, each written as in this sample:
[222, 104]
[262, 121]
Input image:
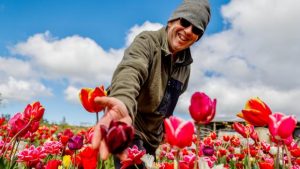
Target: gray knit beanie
[195, 11]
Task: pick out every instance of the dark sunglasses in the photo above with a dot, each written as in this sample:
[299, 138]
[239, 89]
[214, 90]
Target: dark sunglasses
[185, 23]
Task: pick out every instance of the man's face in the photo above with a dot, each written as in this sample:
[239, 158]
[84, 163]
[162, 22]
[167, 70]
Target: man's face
[180, 37]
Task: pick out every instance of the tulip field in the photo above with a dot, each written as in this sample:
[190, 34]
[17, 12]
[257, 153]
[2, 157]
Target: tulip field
[26, 143]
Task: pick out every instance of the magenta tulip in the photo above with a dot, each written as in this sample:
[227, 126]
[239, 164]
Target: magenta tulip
[281, 126]
[202, 108]
[178, 132]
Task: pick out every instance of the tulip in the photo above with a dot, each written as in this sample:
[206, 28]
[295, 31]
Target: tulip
[118, 136]
[178, 132]
[281, 126]
[208, 150]
[133, 158]
[31, 156]
[66, 162]
[87, 96]
[2, 120]
[53, 147]
[246, 131]
[202, 108]
[34, 111]
[89, 158]
[18, 125]
[295, 152]
[75, 142]
[52, 164]
[265, 165]
[256, 112]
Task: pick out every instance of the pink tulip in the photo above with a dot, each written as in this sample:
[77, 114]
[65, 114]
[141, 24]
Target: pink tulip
[32, 155]
[202, 108]
[281, 126]
[178, 132]
[134, 157]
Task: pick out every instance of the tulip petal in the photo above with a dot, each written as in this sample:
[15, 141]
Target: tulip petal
[84, 98]
[170, 132]
[255, 117]
[286, 126]
[184, 134]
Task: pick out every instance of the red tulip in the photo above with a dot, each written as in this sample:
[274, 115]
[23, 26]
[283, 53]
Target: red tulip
[178, 132]
[34, 111]
[246, 131]
[202, 108]
[89, 158]
[53, 164]
[87, 96]
[17, 124]
[281, 126]
[118, 136]
[265, 165]
[256, 112]
[295, 152]
[2, 120]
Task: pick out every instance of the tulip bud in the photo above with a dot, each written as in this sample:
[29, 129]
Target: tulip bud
[202, 108]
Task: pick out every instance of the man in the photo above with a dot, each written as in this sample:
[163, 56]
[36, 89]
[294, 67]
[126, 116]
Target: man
[154, 72]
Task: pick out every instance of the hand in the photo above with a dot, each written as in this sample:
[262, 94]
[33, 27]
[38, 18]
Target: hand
[114, 110]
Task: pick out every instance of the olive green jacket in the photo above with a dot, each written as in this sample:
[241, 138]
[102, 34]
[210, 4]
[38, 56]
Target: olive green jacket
[149, 81]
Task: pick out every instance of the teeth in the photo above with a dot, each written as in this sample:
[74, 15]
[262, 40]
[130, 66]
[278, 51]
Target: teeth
[181, 37]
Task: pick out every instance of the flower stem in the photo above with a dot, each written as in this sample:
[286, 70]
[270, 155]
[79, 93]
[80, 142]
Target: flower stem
[277, 158]
[97, 117]
[198, 141]
[15, 137]
[289, 157]
[248, 148]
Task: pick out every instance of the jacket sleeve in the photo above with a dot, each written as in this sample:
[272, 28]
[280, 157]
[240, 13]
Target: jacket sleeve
[132, 72]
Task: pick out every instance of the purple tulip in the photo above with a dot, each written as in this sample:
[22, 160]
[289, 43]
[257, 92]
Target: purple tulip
[208, 150]
[75, 142]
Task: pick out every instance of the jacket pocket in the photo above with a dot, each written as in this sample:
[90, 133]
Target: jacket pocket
[170, 98]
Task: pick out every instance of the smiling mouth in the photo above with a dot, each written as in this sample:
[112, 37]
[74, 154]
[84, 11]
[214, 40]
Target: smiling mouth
[182, 37]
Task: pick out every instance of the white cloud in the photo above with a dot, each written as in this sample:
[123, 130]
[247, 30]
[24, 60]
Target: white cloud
[136, 29]
[79, 60]
[257, 56]
[19, 82]
[22, 90]
[72, 94]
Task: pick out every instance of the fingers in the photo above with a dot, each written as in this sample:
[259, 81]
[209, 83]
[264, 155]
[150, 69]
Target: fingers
[97, 137]
[103, 101]
[123, 156]
[126, 120]
[104, 153]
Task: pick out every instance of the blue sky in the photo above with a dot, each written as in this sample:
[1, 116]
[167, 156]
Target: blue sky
[51, 49]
